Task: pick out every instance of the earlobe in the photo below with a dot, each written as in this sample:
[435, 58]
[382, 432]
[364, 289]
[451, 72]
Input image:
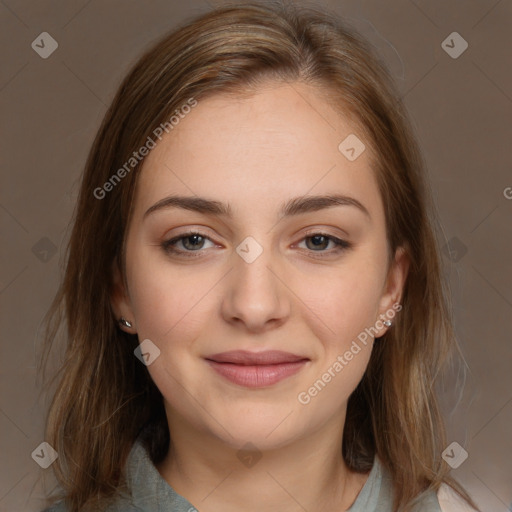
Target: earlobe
[120, 302]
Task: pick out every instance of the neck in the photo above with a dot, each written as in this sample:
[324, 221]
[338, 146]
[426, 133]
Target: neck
[308, 474]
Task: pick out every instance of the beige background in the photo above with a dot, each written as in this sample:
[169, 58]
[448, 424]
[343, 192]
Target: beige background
[461, 108]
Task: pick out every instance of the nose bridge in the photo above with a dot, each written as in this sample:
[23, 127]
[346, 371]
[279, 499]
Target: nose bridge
[255, 294]
[252, 277]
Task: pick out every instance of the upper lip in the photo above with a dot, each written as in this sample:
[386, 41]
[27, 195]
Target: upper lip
[245, 357]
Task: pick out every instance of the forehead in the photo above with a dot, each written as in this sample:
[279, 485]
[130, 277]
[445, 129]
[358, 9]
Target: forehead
[280, 142]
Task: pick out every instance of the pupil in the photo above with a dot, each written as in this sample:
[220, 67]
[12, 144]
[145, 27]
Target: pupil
[195, 238]
[317, 240]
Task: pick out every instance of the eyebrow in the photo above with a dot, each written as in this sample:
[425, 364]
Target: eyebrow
[294, 206]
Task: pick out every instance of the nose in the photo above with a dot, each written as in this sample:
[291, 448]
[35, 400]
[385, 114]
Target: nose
[256, 296]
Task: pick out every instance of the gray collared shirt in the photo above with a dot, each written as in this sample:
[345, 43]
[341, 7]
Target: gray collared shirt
[151, 493]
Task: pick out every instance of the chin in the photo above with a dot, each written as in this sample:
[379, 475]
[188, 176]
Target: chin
[263, 430]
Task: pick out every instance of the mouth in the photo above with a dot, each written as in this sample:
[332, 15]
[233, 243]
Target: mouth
[256, 369]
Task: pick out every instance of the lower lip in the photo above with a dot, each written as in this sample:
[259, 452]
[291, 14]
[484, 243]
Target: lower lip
[256, 376]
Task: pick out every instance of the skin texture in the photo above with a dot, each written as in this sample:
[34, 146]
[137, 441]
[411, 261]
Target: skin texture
[255, 153]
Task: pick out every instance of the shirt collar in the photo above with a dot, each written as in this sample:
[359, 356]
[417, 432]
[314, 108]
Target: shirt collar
[149, 490]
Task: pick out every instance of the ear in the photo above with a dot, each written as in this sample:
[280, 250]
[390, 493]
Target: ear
[120, 301]
[393, 288]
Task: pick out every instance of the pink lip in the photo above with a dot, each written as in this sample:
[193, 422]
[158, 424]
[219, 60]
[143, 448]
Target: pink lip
[256, 369]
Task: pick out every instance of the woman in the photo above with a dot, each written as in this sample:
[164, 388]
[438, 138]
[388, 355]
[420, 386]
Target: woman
[255, 315]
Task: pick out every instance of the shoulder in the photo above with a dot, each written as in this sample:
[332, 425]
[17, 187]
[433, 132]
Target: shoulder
[450, 501]
[445, 500]
[377, 495]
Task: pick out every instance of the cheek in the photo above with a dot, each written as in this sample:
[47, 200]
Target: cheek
[342, 302]
[165, 301]
[340, 312]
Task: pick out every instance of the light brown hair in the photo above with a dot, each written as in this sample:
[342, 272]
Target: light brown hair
[104, 396]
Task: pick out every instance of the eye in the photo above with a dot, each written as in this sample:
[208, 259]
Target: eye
[192, 241]
[318, 242]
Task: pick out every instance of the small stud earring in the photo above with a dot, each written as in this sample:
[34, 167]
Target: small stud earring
[387, 323]
[125, 322]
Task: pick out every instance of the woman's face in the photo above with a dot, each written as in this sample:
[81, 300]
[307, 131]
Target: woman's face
[265, 273]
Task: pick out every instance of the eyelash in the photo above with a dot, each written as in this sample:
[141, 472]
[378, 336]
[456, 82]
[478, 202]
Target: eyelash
[169, 245]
